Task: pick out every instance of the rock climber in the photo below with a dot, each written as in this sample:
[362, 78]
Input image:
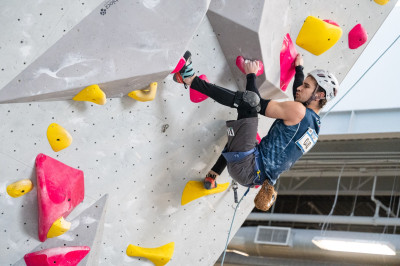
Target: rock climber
[294, 132]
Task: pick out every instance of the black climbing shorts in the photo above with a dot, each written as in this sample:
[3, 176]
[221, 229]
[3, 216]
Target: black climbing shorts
[242, 136]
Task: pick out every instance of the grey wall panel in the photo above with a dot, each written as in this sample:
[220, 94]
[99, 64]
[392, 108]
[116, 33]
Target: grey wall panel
[86, 230]
[281, 17]
[118, 40]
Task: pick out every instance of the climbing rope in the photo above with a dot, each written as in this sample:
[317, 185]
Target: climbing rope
[230, 229]
[365, 72]
[324, 226]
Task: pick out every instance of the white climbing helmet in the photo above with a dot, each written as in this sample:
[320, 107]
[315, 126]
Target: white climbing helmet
[327, 81]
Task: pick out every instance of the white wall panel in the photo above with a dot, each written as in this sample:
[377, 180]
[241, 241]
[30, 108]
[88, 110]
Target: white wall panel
[122, 151]
[29, 28]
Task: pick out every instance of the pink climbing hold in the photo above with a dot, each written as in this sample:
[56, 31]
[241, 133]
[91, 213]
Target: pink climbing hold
[287, 59]
[240, 64]
[357, 36]
[61, 256]
[258, 138]
[196, 96]
[179, 66]
[331, 22]
[60, 189]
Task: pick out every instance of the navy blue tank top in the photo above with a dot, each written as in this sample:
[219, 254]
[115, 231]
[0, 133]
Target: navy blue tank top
[284, 145]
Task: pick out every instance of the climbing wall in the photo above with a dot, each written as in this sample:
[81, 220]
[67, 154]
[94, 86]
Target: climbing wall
[122, 45]
[140, 154]
[260, 34]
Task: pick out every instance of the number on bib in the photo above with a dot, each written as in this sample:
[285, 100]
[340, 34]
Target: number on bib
[307, 141]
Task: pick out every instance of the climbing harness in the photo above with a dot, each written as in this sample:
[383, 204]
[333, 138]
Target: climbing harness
[233, 219]
[259, 169]
[330, 109]
[232, 157]
[236, 156]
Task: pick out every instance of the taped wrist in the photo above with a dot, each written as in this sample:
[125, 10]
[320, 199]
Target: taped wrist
[263, 106]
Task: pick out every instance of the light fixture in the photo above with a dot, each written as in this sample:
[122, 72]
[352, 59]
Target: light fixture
[354, 245]
[238, 252]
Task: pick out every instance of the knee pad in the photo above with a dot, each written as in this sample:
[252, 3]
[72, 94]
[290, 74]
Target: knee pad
[247, 100]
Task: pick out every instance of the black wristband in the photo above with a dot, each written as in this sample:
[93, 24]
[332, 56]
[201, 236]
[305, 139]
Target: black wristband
[263, 103]
[251, 75]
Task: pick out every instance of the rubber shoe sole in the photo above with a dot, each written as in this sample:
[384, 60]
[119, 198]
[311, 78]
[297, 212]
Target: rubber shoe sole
[209, 183]
[177, 77]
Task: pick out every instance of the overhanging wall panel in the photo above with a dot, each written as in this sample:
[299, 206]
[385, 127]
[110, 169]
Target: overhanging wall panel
[281, 17]
[29, 28]
[124, 45]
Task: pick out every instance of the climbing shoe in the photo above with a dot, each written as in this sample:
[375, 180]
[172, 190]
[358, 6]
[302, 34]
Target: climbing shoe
[187, 69]
[209, 181]
[266, 197]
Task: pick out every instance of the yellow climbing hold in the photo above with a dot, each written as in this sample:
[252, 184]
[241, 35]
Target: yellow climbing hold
[19, 188]
[381, 2]
[145, 95]
[318, 36]
[159, 256]
[93, 94]
[195, 189]
[59, 227]
[58, 137]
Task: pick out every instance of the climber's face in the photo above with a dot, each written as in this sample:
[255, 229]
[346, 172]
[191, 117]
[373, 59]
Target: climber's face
[305, 91]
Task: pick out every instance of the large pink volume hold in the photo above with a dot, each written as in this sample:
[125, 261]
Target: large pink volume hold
[287, 59]
[60, 189]
[196, 96]
[60, 256]
[357, 36]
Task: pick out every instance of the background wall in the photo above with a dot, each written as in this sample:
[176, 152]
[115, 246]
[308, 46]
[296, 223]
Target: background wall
[376, 90]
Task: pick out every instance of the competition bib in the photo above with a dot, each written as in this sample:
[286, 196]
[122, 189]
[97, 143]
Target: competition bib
[307, 141]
